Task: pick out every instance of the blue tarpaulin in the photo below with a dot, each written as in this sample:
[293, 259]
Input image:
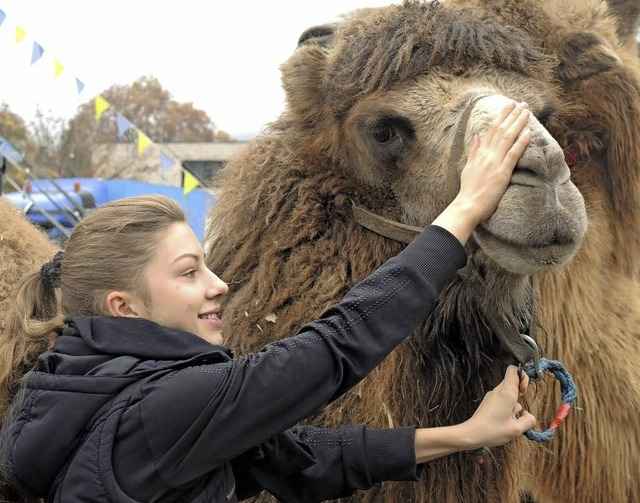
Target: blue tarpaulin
[196, 204]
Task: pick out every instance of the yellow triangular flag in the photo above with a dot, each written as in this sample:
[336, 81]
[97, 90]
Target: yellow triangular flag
[101, 106]
[58, 68]
[189, 183]
[20, 34]
[143, 142]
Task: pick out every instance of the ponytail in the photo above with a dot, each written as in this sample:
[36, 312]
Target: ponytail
[34, 316]
[107, 250]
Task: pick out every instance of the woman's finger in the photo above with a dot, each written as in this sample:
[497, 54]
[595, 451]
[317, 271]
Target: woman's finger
[504, 113]
[517, 408]
[526, 421]
[504, 143]
[510, 382]
[502, 129]
[517, 149]
[524, 382]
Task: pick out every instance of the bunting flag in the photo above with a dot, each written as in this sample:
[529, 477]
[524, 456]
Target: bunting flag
[143, 142]
[58, 68]
[9, 151]
[101, 107]
[189, 182]
[20, 34]
[36, 52]
[123, 125]
[165, 161]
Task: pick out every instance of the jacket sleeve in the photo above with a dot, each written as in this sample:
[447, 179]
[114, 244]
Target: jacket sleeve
[339, 461]
[200, 417]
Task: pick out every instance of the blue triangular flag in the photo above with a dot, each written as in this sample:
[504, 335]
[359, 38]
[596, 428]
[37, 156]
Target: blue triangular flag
[123, 125]
[165, 161]
[79, 85]
[36, 53]
[2, 16]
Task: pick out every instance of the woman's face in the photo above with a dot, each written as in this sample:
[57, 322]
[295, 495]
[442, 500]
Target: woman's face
[184, 293]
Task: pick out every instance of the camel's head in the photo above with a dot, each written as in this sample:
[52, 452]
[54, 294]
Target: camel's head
[413, 143]
[396, 94]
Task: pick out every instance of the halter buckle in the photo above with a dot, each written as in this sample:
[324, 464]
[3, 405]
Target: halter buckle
[535, 359]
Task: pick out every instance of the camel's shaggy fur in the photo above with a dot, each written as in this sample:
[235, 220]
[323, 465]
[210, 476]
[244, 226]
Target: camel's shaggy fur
[23, 248]
[284, 238]
[380, 51]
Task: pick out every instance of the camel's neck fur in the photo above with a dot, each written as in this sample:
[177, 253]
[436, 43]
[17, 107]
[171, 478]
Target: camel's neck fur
[308, 252]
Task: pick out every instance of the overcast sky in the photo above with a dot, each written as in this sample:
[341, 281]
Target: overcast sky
[222, 56]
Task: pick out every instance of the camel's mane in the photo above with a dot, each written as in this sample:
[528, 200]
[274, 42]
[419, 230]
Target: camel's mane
[378, 49]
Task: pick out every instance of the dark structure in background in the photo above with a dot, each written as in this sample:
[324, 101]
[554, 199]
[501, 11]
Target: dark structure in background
[3, 170]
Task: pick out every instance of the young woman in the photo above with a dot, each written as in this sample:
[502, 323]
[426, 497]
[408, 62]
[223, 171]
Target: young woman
[138, 400]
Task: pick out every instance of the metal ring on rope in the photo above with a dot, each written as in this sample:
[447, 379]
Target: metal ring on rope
[567, 388]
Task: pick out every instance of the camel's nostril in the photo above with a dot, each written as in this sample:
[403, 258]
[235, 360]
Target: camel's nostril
[563, 238]
[558, 237]
[525, 171]
[525, 176]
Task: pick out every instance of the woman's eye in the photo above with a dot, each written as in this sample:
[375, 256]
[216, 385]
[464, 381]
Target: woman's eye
[384, 134]
[190, 274]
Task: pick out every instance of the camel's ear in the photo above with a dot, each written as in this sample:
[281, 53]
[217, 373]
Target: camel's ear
[303, 77]
[583, 55]
[322, 35]
[627, 13]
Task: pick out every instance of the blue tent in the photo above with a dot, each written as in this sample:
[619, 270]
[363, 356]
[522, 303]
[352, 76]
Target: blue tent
[93, 192]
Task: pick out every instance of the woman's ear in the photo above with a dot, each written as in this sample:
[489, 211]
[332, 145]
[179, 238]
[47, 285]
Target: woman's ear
[124, 304]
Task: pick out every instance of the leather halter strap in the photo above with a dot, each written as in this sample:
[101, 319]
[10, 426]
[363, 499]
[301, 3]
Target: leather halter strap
[404, 233]
[391, 229]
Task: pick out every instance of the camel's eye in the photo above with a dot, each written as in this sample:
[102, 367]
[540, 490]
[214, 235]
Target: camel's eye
[388, 129]
[390, 137]
[545, 115]
[383, 133]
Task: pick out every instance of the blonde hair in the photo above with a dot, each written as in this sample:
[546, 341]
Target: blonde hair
[108, 250]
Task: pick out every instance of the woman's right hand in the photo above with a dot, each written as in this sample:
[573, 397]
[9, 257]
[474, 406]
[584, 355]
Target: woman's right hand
[500, 417]
[492, 159]
[488, 171]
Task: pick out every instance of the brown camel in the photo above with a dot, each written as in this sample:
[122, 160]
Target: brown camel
[381, 108]
[22, 248]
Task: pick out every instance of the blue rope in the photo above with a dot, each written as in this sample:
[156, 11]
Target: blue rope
[567, 388]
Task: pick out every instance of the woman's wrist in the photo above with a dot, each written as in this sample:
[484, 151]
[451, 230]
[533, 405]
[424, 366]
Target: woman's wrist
[434, 443]
[460, 218]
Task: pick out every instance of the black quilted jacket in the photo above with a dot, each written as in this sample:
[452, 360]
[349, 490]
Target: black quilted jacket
[124, 410]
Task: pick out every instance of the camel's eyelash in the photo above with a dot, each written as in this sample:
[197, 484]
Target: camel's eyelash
[399, 124]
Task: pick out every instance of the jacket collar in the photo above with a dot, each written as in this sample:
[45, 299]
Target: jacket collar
[135, 337]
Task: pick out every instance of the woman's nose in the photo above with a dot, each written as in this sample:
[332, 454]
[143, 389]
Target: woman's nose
[222, 286]
[217, 286]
